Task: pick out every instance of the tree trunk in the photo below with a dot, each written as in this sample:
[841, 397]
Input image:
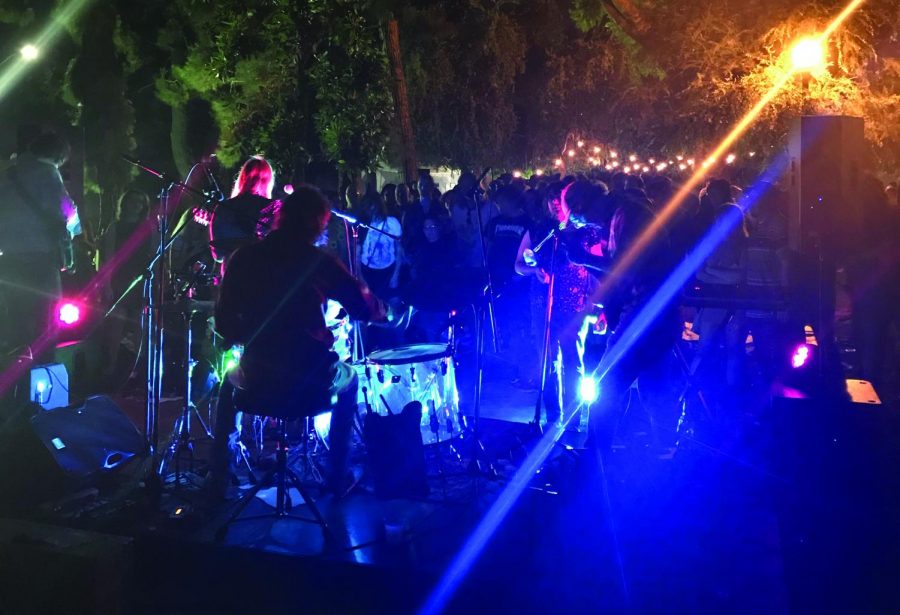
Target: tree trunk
[401, 103]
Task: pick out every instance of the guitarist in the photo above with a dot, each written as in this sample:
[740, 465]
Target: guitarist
[37, 223]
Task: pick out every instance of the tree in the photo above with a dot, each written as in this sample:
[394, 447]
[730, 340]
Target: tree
[298, 82]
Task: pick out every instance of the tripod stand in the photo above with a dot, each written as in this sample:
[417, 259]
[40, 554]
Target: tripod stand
[181, 440]
[153, 277]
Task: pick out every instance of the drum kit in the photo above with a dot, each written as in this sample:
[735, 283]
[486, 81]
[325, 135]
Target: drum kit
[390, 380]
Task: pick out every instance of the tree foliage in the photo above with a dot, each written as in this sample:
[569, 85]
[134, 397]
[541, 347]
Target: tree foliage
[294, 81]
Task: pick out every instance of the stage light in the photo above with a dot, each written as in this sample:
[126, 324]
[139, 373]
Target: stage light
[588, 390]
[679, 157]
[615, 164]
[614, 154]
[730, 158]
[539, 172]
[517, 174]
[596, 150]
[652, 161]
[690, 161]
[558, 162]
[581, 144]
[682, 166]
[69, 313]
[609, 167]
[808, 55]
[288, 188]
[801, 356]
[632, 158]
[571, 153]
[646, 169]
[30, 52]
[626, 169]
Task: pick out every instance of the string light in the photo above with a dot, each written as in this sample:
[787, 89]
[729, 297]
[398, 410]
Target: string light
[614, 154]
[581, 144]
[615, 164]
[679, 157]
[539, 172]
[517, 174]
[652, 161]
[558, 162]
[571, 153]
[646, 169]
[632, 158]
[626, 169]
[596, 150]
[730, 158]
[682, 166]
[609, 167]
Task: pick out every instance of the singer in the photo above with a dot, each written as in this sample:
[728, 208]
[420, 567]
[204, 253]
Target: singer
[572, 289]
[248, 214]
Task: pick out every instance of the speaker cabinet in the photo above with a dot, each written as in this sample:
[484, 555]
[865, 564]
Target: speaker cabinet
[826, 154]
[46, 453]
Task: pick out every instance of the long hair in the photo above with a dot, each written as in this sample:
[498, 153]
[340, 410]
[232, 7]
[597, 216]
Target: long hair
[256, 177]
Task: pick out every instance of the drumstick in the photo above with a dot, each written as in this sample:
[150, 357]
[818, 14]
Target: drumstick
[384, 401]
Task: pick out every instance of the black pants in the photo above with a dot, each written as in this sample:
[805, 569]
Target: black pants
[620, 367]
[341, 391]
[30, 290]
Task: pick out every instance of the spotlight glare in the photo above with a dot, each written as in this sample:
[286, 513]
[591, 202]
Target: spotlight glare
[801, 356]
[69, 313]
[588, 390]
[808, 54]
[30, 52]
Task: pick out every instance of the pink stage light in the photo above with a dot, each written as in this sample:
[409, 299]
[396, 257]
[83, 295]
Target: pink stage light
[69, 313]
[800, 357]
[288, 188]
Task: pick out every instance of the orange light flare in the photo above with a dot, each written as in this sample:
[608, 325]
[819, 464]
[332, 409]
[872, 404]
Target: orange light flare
[668, 211]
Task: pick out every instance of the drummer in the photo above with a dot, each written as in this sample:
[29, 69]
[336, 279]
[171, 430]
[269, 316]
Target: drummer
[271, 303]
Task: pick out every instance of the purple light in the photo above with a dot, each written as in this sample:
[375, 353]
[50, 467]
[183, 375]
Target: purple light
[69, 313]
[800, 356]
[288, 188]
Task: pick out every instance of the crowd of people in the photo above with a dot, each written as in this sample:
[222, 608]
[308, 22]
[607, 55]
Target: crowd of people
[500, 245]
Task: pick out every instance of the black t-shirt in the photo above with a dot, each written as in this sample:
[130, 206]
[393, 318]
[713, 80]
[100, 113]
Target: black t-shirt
[271, 301]
[504, 234]
[238, 221]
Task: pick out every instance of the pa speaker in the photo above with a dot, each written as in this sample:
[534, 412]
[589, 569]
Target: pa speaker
[827, 155]
[47, 453]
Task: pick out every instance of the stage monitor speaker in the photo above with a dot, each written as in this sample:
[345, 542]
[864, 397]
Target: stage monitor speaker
[45, 454]
[826, 153]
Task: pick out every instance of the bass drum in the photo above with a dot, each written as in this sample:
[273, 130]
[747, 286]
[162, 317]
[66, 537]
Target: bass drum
[417, 372]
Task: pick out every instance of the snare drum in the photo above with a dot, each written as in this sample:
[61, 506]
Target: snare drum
[417, 372]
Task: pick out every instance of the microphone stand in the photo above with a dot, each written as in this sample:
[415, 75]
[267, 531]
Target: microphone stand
[152, 322]
[480, 463]
[548, 315]
[352, 224]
